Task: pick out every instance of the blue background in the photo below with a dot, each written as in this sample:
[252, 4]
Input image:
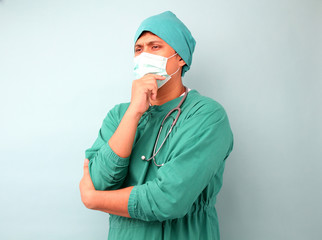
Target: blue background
[64, 64]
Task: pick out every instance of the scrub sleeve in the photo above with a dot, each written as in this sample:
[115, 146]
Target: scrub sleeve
[202, 143]
[110, 169]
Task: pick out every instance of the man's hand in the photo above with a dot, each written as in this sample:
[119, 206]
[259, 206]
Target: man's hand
[144, 89]
[87, 189]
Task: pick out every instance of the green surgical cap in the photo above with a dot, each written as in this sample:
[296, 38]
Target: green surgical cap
[171, 30]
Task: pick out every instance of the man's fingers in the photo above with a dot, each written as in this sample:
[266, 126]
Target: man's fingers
[156, 76]
[154, 93]
[150, 76]
[159, 77]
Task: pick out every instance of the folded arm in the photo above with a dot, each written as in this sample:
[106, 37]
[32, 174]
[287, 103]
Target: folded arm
[206, 141]
[114, 201]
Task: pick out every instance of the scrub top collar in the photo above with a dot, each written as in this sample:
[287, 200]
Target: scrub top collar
[168, 105]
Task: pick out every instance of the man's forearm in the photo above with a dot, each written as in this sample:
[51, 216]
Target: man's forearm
[113, 202]
[122, 140]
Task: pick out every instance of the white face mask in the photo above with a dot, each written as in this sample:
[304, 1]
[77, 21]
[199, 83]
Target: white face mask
[150, 63]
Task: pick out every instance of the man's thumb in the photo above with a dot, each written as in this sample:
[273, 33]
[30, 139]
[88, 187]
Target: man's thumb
[86, 162]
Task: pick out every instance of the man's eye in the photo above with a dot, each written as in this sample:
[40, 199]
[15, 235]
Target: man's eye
[138, 50]
[155, 47]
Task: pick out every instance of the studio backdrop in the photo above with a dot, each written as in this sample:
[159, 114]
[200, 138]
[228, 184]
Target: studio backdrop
[65, 64]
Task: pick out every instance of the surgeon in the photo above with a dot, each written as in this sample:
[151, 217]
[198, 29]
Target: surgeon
[157, 164]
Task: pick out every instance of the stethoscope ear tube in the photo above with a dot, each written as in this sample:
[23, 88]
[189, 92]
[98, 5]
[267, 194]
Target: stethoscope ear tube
[177, 108]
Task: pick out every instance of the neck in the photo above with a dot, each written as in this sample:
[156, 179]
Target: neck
[169, 91]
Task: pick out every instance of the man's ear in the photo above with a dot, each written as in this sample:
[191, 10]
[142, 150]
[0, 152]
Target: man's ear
[182, 62]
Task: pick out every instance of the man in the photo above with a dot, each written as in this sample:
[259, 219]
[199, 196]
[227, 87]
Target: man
[160, 182]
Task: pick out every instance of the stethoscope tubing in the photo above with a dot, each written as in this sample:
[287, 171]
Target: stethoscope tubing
[177, 108]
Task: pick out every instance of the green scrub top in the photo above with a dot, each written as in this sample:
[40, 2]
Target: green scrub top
[175, 201]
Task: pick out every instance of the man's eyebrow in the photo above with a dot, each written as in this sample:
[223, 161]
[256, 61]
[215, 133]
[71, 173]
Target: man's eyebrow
[149, 43]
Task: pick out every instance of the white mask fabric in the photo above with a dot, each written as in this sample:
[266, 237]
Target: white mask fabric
[150, 63]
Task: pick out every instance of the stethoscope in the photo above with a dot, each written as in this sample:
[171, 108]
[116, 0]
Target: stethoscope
[177, 108]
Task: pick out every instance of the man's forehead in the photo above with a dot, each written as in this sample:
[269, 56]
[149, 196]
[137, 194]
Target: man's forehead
[148, 42]
[148, 37]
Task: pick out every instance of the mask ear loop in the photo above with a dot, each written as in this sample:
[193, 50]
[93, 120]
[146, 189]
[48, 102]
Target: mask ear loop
[174, 72]
[172, 55]
[177, 69]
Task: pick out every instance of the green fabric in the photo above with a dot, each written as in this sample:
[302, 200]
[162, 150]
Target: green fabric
[176, 201]
[171, 30]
